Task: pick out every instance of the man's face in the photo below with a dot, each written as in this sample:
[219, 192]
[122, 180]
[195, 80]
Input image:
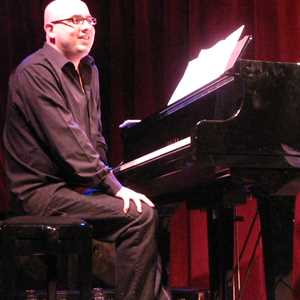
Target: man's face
[72, 31]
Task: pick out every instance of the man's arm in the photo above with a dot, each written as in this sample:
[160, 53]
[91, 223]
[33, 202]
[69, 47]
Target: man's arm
[124, 193]
[101, 145]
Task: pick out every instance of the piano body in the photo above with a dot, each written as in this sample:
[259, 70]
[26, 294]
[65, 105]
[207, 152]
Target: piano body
[218, 145]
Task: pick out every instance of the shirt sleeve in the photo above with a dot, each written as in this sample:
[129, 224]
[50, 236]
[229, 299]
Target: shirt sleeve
[101, 145]
[46, 109]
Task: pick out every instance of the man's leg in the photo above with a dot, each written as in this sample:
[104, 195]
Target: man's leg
[134, 234]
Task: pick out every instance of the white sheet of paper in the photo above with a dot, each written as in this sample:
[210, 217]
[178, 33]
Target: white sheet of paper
[209, 65]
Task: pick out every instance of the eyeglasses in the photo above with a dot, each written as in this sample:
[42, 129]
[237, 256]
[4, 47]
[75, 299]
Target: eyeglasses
[78, 20]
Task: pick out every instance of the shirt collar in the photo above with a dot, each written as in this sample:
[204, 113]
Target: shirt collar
[61, 60]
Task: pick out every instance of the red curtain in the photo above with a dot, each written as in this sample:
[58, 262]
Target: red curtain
[249, 269]
[142, 48]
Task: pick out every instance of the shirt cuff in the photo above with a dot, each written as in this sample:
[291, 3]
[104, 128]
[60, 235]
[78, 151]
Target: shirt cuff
[111, 183]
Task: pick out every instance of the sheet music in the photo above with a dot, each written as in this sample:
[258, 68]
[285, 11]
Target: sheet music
[209, 65]
[237, 52]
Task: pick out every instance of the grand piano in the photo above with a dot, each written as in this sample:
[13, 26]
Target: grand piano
[238, 136]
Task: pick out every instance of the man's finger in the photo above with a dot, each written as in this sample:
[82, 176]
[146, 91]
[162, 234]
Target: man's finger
[126, 205]
[138, 204]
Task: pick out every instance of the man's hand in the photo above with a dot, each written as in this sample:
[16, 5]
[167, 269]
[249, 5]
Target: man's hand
[127, 194]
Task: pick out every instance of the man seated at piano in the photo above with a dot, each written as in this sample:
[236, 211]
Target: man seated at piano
[56, 154]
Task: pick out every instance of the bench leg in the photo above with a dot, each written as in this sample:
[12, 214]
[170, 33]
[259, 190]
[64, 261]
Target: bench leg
[85, 269]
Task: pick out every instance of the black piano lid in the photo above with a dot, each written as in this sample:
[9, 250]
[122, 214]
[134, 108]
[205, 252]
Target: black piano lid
[267, 120]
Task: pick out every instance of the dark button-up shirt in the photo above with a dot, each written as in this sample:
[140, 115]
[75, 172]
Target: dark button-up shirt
[53, 132]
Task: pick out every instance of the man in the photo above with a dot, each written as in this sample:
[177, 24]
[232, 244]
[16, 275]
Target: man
[55, 150]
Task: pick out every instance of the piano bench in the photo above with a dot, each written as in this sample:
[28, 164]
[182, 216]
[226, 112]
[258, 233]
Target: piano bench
[52, 237]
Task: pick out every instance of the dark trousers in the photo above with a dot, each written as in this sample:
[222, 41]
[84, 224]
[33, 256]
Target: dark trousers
[138, 271]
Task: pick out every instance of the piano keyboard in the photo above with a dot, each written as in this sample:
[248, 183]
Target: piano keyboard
[179, 145]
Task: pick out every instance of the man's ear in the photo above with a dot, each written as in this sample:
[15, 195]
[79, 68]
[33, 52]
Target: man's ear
[50, 32]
